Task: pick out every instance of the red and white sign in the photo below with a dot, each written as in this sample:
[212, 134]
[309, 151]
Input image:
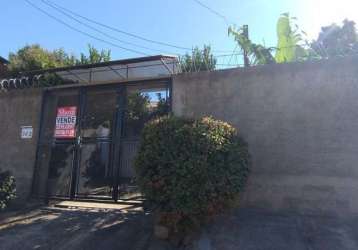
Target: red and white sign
[66, 122]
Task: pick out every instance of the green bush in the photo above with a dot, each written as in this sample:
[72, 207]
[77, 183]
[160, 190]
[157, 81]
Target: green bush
[7, 188]
[190, 169]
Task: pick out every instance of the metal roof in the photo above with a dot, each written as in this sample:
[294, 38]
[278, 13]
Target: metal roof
[142, 67]
[150, 67]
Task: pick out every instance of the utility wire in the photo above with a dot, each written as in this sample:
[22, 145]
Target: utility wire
[98, 30]
[97, 38]
[227, 55]
[120, 31]
[220, 16]
[125, 32]
[82, 32]
[213, 11]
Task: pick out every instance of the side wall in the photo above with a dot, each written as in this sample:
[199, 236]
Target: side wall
[301, 123]
[19, 108]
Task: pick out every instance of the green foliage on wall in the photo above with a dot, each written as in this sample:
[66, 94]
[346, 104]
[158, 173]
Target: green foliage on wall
[7, 189]
[258, 54]
[199, 60]
[288, 48]
[335, 40]
[289, 38]
[34, 57]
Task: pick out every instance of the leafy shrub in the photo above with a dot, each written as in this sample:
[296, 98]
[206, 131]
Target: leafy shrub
[7, 188]
[190, 169]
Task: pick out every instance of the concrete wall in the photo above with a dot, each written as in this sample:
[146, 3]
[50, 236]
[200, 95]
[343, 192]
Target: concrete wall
[3, 69]
[19, 108]
[301, 123]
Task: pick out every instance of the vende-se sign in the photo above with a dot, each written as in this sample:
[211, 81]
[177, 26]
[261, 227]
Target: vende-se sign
[66, 122]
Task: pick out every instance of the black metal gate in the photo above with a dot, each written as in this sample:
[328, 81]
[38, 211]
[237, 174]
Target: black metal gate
[96, 161]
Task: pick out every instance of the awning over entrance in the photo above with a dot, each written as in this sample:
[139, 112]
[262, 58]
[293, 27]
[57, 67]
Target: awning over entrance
[112, 71]
[155, 66]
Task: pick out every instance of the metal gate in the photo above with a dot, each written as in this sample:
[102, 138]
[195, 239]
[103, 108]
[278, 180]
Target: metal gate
[94, 158]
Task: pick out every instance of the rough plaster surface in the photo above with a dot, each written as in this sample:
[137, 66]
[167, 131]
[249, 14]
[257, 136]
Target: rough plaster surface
[301, 123]
[19, 108]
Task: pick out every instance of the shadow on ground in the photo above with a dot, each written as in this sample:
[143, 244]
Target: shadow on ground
[87, 229]
[52, 228]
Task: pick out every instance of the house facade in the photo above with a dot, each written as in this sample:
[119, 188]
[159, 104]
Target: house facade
[84, 123]
[3, 66]
[78, 139]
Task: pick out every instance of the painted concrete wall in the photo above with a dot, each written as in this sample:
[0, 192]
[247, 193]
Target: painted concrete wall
[301, 123]
[19, 108]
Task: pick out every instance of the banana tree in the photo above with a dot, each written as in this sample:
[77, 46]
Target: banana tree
[288, 48]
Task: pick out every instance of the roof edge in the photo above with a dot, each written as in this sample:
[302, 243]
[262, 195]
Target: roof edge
[101, 64]
[3, 60]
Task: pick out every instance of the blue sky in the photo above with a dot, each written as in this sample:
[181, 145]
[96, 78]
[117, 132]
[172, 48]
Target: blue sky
[184, 23]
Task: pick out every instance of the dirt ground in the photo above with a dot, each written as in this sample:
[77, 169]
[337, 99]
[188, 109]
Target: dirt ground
[63, 228]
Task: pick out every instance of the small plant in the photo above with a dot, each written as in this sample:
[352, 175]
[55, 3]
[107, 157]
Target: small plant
[190, 169]
[7, 189]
